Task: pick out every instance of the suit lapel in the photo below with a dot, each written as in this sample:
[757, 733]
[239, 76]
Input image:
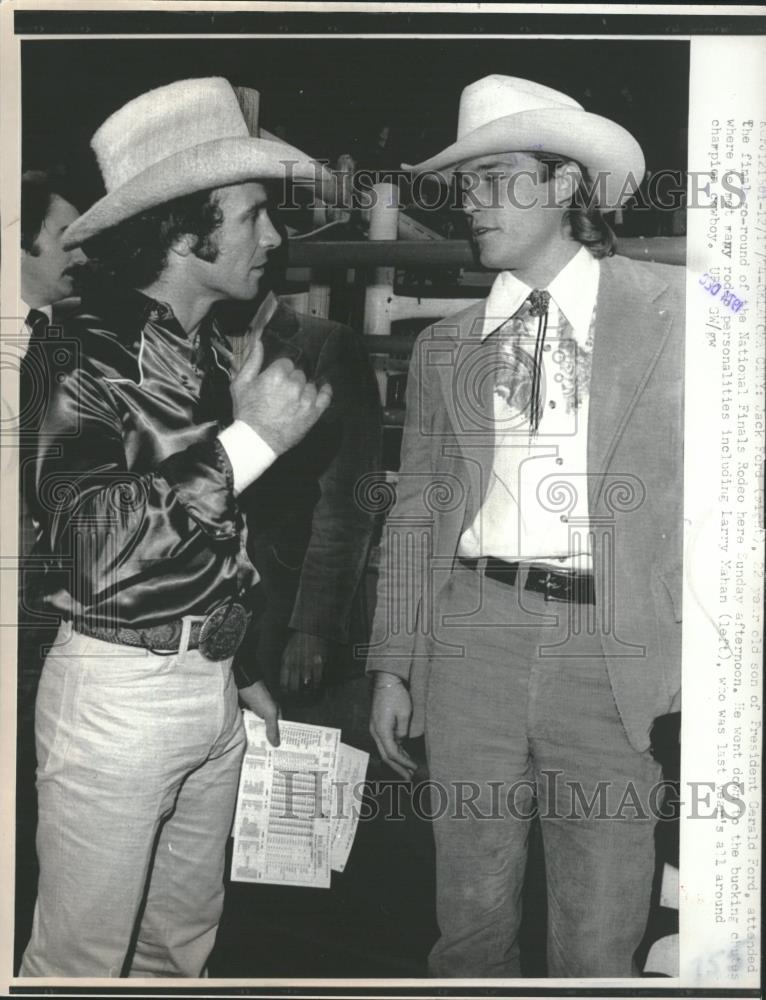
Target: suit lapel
[280, 337]
[277, 334]
[629, 338]
[466, 371]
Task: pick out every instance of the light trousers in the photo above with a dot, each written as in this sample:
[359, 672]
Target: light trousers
[138, 763]
[505, 722]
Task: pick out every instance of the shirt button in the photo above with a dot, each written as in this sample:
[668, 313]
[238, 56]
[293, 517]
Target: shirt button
[552, 404]
[564, 518]
[559, 461]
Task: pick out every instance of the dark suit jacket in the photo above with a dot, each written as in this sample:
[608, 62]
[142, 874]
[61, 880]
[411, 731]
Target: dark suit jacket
[303, 513]
[634, 485]
[36, 627]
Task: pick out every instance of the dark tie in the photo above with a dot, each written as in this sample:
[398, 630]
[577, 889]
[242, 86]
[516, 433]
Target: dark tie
[37, 322]
[31, 388]
[31, 409]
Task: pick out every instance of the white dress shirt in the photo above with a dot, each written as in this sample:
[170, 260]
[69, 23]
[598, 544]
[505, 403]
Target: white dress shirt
[536, 505]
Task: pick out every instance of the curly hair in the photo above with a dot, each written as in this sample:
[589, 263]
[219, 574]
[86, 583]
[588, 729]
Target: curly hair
[586, 223]
[134, 253]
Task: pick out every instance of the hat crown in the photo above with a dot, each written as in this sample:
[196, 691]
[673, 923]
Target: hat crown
[164, 122]
[497, 96]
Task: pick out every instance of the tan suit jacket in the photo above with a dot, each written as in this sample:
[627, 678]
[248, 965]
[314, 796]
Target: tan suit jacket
[634, 486]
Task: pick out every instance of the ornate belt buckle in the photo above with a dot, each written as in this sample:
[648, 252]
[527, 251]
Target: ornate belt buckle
[222, 631]
[157, 637]
[553, 588]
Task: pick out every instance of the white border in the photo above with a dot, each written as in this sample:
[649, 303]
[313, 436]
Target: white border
[10, 145]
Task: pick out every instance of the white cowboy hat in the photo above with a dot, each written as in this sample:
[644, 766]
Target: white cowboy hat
[500, 114]
[178, 139]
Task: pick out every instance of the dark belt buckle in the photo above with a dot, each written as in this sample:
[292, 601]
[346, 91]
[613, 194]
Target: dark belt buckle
[222, 632]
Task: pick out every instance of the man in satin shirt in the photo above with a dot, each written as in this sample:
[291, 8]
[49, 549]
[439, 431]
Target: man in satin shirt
[145, 446]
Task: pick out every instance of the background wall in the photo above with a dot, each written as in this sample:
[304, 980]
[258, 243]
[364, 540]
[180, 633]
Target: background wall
[331, 96]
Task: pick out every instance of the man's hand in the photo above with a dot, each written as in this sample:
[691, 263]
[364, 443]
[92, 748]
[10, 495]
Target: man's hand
[390, 722]
[303, 662]
[256, 697]
[278, 402]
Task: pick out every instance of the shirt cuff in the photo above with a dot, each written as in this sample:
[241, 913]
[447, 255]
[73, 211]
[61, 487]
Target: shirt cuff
[248, 453]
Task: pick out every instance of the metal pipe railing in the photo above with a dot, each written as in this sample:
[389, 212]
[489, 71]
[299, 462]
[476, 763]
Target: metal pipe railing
[451, 253]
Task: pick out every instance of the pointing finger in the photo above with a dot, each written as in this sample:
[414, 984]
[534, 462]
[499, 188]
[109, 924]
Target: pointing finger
[254, 357]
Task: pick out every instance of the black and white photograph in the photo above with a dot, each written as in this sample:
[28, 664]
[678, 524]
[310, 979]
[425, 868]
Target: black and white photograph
[382, 501]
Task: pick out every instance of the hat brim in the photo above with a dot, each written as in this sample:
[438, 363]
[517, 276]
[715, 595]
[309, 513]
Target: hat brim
[605, 148]
[209, 165]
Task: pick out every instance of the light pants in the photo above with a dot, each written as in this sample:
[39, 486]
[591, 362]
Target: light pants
[504, 714]
[138, 764]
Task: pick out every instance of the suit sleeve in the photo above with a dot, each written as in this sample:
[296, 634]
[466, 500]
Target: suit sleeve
[401, 580]
[342, 522]
[85, 494]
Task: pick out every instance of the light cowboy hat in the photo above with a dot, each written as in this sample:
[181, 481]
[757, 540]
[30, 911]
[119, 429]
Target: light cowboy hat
[500, 114]
[185, 137]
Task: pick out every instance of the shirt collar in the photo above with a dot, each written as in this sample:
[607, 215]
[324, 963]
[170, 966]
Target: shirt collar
[574, 291]
[504, 300]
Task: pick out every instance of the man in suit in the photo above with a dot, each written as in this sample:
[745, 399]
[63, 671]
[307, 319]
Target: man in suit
[538, 636]
[47, 269]
[310, 535]
[47, 275]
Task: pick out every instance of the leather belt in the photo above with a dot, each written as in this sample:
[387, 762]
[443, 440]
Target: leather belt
[217, 635]
[569, 588]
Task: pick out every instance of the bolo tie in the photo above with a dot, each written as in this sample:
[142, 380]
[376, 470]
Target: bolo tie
[538, 307]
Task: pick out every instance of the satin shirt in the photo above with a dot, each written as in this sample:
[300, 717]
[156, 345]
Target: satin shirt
[133, 493]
